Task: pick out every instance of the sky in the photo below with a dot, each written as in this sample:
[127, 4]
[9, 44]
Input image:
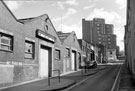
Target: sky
[67, 15]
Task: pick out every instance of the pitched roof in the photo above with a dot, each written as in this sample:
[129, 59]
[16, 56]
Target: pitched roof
[62, 35]
[44, 17]
[7, 8]
[25, 20]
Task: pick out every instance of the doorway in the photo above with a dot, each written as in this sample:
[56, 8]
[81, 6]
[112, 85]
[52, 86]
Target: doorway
[44, 63]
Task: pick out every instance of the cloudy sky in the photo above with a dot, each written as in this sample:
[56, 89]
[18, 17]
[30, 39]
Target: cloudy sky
[67, 15]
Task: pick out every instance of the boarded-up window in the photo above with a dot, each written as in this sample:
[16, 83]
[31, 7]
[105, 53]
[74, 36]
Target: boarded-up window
[57, 54]
[67, 52]
[29, 49]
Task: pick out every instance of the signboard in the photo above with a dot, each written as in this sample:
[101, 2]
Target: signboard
[45, 35]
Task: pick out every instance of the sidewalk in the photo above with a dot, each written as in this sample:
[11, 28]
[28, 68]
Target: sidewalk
[65, 81]
[42, 85]
[127, 83]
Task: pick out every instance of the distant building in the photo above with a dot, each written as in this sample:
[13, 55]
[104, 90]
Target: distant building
[109, 28]
[111, 55]
[87, 30]
[98, 31]
[111, 41]
[86, 51]
[99, 34]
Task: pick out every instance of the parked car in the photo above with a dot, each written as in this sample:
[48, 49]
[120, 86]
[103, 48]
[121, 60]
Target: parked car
[92, 64]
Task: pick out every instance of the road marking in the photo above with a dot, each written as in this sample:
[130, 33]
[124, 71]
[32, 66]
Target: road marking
[114, 84]
[78, 83]
[83, 81]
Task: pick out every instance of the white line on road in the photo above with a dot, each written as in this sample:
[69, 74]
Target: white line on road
[78, 83]
[115, 82]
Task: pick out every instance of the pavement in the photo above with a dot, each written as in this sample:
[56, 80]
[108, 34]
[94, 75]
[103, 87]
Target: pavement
[65, 82]
[127, 82]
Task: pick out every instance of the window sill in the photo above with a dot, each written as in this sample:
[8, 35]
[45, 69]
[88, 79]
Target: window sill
[67, 57]
[29, 58]
[57, 59]
[6, 50]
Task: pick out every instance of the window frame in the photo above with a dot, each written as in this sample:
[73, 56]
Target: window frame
[10, 39]
[33, 50]
[57, 52]
[67, 53]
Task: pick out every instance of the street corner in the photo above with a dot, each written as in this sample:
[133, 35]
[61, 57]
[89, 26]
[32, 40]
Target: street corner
[55, 86]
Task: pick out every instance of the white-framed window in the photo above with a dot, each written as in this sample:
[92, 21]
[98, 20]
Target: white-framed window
[98, 28]
[57, 54]
[67, 52]
[29, 49]
[98, 32]
[6, 42]
[99, 39]
[98, 24]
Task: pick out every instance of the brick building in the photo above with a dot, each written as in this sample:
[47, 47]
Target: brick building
[31, 48]
[87, 52]
[71, 51]
[47, 43]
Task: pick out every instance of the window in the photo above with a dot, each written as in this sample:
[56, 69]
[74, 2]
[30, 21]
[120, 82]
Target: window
[110, 52]
[83, 49]
[46, 27]
[98, 28]
[6, 42]
[29, 49]
[98, 32]
[67, 52]
[57, 54]
[98, 24]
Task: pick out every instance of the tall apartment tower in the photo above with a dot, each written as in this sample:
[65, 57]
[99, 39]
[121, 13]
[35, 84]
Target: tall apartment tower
[93, 31]
[109, 28]
[111, 41]
[98, 31]
[110, 37]
[87, 28]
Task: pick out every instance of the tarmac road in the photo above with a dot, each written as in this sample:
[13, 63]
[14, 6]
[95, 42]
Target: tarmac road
[101, 81]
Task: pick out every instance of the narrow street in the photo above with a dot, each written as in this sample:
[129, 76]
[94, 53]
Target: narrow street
[67, 45]
[101, 81]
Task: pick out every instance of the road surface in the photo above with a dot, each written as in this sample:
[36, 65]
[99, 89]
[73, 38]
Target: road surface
[101, 81]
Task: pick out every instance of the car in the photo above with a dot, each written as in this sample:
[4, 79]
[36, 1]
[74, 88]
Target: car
[92, 64]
